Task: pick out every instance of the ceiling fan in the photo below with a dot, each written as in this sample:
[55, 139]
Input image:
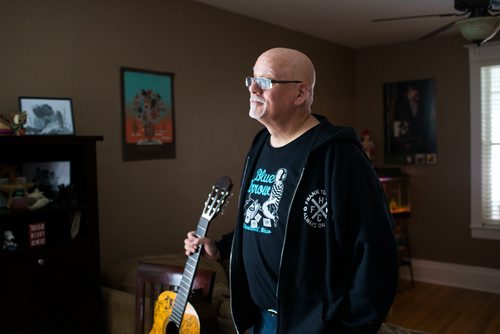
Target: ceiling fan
[481, 24]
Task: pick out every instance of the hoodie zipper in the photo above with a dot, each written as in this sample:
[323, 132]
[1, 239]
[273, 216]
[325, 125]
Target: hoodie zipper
[284, 242]
[232, 248]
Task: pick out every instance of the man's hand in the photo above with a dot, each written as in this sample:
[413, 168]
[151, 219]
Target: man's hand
[192, 244]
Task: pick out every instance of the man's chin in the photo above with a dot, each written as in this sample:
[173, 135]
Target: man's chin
[256, 114]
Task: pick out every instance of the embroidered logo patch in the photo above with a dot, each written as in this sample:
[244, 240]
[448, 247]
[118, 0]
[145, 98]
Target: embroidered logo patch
[316, 209]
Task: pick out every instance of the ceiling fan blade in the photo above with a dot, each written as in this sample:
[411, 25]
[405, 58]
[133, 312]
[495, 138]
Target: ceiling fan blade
[438, 30]
[415, 17]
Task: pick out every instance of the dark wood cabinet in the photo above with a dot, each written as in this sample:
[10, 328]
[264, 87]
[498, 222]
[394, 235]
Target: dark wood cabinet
[53, 286]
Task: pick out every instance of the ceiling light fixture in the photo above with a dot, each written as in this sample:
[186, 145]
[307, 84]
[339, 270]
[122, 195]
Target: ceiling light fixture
[479, 27]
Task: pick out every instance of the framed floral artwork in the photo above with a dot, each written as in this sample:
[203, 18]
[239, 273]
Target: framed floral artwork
[147, 114]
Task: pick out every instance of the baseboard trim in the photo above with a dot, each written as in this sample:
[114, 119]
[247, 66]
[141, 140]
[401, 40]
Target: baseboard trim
[456, 275]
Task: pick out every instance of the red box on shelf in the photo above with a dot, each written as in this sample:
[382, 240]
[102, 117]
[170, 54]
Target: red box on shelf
[37, 234]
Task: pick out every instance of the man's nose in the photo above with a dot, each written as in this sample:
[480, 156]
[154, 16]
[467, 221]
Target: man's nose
[255, 88]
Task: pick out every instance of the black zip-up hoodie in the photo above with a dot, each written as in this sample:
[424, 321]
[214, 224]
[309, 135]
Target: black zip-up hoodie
[337, 275]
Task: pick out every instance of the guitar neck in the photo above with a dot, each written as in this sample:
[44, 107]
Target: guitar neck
[188, 276]
[213, 205]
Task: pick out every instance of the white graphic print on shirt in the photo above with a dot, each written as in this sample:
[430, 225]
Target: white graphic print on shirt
[260, 217]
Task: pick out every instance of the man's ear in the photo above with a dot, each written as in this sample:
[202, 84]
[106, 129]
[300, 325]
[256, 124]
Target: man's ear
[302, 94]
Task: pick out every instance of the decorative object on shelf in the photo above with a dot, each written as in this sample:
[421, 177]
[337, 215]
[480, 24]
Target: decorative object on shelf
[367, 144]
[40, 199]
[66, 194]
[11, 188]
[410, 122]
[75, 224]
[47, 116]
[9, 172]
[148, 114]
[9, 241]
[5, 127]
[18, 121]
[15, 183]
[29, 201]
[36, 234]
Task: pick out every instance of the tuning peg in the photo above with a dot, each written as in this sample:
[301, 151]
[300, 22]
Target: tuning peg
[228, 197]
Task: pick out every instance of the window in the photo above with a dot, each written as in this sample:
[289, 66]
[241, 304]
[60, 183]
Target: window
[485, 141]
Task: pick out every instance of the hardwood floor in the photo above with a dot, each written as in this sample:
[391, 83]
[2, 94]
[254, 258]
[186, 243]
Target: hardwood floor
[441, 309]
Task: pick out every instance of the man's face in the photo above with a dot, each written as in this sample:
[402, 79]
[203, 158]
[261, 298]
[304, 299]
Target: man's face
[413, 94]
[266, 103]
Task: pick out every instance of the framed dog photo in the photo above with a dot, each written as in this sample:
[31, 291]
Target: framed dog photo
[47, 116]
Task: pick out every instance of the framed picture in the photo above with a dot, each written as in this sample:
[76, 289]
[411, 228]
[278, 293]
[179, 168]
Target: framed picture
[48, 176]
[47, 116]
[410, 122]
[148, 114]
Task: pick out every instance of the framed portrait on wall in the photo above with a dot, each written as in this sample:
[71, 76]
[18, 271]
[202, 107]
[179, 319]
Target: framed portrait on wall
[147, 114]
[410, 122]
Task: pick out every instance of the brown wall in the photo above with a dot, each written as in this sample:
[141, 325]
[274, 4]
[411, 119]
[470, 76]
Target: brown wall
[75, 49]
[439, 229]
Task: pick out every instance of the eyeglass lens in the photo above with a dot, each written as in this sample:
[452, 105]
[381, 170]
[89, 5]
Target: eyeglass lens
[263, 83]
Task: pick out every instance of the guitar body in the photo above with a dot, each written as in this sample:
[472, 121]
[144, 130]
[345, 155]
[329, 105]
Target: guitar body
[163, 309]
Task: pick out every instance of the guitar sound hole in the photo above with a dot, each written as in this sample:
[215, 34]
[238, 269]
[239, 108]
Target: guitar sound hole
[172, 328]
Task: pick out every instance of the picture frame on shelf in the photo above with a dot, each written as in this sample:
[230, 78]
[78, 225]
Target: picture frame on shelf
[47, 115]
[148, 125]
[48, 176]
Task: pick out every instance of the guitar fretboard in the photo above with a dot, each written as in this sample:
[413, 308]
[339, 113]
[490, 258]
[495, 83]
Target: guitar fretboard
[188, 277]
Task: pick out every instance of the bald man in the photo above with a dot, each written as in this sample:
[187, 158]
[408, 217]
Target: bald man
[313, 249]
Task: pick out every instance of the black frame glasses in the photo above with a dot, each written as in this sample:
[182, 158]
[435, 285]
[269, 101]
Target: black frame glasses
[266, 83]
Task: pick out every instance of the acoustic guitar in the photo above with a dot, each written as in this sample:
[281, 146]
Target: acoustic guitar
[173, 313]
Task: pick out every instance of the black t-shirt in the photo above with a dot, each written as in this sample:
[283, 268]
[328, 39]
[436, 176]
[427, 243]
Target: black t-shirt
[267, 203]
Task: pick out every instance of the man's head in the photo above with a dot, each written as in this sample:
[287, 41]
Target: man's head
[292, 78]
[412, 94]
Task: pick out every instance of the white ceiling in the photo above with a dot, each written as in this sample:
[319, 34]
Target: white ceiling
[347, 22]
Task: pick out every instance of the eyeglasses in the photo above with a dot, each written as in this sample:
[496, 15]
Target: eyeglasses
[266, 83]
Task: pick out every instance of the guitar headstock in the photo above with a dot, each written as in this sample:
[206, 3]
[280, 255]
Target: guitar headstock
[217, 198]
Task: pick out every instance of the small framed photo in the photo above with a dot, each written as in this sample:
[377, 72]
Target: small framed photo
[47, 116]
[419, 158]
[48, 176]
